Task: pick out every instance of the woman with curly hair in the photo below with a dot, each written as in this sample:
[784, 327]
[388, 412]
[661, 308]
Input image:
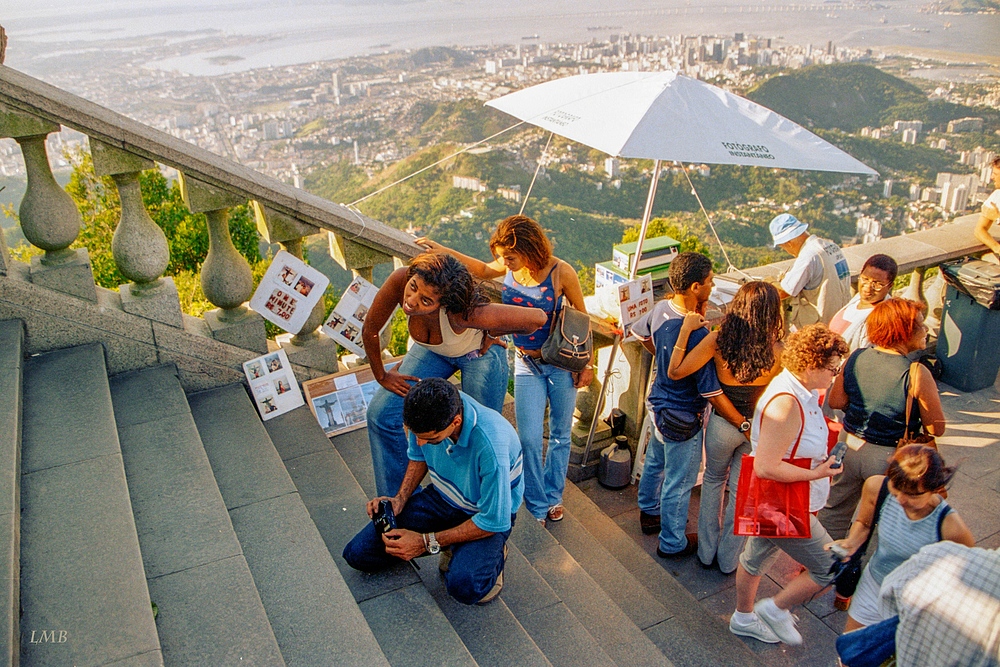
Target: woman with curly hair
[746, 350]
[872, 391]
[452, 325]
[788, 417]
[534, 277]
[913, 515]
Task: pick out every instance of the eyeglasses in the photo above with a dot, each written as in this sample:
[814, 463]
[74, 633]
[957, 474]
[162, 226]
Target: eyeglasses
[835, 371]
[876, 285]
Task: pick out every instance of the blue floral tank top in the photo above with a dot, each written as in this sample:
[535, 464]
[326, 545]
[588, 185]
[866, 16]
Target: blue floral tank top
[540, 296]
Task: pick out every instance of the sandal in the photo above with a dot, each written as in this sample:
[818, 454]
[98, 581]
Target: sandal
[556, 513]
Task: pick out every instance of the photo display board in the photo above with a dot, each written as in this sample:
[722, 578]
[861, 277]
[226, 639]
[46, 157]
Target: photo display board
[340, 401]
[288, 292]
[275, 390]
[348, 316]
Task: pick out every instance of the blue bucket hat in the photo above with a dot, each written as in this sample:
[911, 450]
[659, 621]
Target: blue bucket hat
[786, 227]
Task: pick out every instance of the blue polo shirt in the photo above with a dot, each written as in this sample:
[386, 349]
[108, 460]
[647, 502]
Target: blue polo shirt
[481, 473]
[663, 325]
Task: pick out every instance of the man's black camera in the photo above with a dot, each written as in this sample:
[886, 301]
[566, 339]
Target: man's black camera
[384, 519]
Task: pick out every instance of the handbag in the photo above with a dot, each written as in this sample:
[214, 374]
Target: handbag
[678, 425]
[925, 439]
[769, 508]
[846, 581]
[870, 646]
[570, 344]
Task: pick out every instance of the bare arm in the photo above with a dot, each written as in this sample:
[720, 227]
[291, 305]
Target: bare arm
[728, 411]
[954, 530]
[779, 428]
[388, 297]
[502, 319]
[684, 363]
[415, 472]
[837, 398]
[983, 235]
[477, 267]
[929, 401]
[862, 525]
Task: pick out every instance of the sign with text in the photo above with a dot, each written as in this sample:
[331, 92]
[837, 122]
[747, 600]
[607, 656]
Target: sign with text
[635, 298]
[288, 292]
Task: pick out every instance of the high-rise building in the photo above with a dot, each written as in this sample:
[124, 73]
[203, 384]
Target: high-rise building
[887, 188]
[910, 137]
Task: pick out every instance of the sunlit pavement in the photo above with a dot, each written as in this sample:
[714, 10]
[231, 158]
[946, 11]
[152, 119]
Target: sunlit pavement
[972, 441]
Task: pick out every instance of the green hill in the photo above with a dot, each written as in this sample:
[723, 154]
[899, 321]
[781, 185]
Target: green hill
[843, 96]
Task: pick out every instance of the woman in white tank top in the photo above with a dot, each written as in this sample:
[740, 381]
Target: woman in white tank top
[451, 320]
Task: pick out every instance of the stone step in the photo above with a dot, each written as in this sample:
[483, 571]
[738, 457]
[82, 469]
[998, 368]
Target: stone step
[597, 610]
[691, 635]
[409, 626]
[561, 638]
[560, 635]
[210, 612]
[11, 383]
[313, 614]
[84, 595]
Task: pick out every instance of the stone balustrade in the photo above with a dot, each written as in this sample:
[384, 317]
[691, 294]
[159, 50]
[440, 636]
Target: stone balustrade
[122, 148]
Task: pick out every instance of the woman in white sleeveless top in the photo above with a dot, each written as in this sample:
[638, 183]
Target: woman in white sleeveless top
[789, 411]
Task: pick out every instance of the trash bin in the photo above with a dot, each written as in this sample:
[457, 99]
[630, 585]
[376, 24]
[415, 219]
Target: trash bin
[970, 326]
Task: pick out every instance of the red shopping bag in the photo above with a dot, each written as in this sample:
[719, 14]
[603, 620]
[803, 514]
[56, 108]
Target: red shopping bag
[768, 508]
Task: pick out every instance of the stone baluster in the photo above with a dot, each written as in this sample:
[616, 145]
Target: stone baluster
[139, 246]
[915, 290]
[49, 218]
[226, 278]
[307, 347]
[360, 260]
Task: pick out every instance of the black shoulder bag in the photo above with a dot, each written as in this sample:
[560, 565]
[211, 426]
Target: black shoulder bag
[846, 582]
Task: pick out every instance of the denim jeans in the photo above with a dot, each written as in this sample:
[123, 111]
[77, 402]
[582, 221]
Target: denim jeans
[724, 450]
[534, 386]
[475, 565]
[483, 378]
[668, 475]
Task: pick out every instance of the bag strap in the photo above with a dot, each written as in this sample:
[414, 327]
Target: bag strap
[909, 401]
[802, 417]
[883, 493]
[554, 272]
[940, 522]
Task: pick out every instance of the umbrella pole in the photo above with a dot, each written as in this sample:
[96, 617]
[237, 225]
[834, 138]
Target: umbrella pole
[646, 215]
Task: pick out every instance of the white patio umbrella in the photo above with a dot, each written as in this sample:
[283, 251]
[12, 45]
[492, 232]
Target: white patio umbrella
[668, 116]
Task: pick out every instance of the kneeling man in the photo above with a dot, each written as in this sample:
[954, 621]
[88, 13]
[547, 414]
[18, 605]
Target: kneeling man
[473, 456]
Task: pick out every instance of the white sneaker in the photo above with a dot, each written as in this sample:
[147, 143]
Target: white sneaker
[781, 621]
[754, 628]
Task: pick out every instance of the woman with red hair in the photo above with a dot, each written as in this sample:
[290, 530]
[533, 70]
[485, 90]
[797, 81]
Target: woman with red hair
[872, 391]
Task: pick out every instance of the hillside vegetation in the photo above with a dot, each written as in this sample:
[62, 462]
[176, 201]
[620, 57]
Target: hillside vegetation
[851, 96]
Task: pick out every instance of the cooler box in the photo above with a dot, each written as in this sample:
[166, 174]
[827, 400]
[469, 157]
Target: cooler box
[969, 342]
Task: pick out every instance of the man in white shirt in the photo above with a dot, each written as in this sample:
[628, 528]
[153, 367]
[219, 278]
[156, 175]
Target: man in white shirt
[819, 282]
[874, 286]
[990, 213]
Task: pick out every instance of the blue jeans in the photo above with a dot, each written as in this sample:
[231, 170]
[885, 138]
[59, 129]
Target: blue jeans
[668, 475]
[724, 450]
[475, 565]
[533, 388]
[483, 378]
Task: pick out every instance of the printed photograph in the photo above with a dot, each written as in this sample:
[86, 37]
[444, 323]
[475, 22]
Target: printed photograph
[255, 370]
[282, 386]
[287, 275]
[273, 362]
[267, 404]
[352, 402]
[328, 412]
[360, 313]
[304, 286]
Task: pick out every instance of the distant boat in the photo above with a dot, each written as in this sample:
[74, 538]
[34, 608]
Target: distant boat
[535, 36]
[597, 28]
[921, 29]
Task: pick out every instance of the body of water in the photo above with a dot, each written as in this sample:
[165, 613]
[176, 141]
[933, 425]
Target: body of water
[285, 32]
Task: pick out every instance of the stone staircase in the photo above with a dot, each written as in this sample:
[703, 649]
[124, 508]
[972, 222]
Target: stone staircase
[123, 495]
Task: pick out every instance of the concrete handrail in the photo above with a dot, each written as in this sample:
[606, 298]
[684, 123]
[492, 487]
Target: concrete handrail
[36, 97]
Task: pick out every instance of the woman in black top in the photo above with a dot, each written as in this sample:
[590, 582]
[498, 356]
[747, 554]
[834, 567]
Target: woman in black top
[872, 391]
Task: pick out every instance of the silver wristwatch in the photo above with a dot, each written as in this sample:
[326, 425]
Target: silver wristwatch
[432, 544]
